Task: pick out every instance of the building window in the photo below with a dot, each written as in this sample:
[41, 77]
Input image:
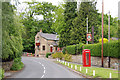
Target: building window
[43, 47]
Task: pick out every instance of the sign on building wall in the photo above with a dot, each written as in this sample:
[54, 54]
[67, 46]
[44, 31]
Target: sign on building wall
[89, 37]
[37, 44]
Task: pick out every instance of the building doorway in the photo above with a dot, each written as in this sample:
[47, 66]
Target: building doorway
[51, 49]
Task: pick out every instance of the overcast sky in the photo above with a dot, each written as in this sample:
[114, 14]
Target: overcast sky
[109, 5]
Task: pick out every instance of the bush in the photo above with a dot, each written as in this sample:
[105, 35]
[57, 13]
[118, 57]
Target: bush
[48, 54]
[71, 49]
[67, 57]
[109, 49]
[57, 55]
[64, 49]
[94, 48]
[104, 40]
[17, 64]
[79, 48]
[54, 56]
[1, 73]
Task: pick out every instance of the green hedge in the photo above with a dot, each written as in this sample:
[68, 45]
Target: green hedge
[109, 49]
[71, 49]
[79, 48]
[94, 48]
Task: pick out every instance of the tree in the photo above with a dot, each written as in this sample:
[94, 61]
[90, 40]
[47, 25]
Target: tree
[59, 21]
[69, 16]
[79, 30]
[113, 26]
[33, 25]
[11, 33]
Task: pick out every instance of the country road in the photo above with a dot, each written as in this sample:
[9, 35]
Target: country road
[42, 68]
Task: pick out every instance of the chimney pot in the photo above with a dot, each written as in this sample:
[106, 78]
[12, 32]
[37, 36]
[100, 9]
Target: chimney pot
[40, 30]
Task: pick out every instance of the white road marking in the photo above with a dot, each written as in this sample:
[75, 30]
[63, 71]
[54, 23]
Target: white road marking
[44, 71]
[42, 76]
[39, 63]
[42, 66]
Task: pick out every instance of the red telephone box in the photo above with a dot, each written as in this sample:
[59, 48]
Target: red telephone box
[86, 58]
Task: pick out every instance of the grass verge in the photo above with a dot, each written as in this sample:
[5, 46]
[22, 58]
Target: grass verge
[99, 72]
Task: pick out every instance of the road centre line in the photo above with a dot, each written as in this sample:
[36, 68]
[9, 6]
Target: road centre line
[44, 71]
[42, 66]
[42, 76]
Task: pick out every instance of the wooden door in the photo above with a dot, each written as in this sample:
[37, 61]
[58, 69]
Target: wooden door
[51, 49]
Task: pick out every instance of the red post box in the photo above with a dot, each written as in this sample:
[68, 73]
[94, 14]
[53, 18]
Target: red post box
[86, 58]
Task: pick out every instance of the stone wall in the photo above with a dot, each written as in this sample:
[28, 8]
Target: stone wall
[96, 61]
[7, 65]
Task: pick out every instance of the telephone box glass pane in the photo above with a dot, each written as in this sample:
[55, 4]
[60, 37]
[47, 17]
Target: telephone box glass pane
[87, 58]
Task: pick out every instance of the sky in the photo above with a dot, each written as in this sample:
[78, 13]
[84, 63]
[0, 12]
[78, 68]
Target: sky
[109, 5]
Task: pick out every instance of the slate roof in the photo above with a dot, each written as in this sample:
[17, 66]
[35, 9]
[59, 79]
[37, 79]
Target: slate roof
[49, 36]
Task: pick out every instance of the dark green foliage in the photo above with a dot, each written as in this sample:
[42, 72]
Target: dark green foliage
[71, 49]
[79, 29]
[109, 49]
[94, 48]
[69, 16]
[64, 49]
[48, 54]
[79, 48]
[17, 64]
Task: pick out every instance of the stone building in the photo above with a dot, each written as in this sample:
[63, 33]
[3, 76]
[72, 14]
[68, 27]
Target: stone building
[46, 43]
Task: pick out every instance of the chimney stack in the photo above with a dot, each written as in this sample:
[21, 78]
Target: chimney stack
[40, 30]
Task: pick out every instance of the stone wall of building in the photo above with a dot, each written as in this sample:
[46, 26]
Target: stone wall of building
[7, 65]
[96, 61]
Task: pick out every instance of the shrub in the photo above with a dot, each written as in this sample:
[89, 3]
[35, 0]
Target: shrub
[104, 40]
[71, 49]
[109, 49]
[57, 55]
[95, 49]
[79, 48]
[54, 56]
[64, 49]
[67, 57]
[1, 73]
[17, 64]
[48, 54]
[33, 54]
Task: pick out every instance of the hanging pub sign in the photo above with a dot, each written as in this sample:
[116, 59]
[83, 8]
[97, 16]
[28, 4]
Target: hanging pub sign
[89, 37]
[37, 44]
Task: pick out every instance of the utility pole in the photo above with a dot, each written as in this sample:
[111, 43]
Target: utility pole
[102, 31]
[93, 34]
[108, 36]
[87, 27]
[109, 26]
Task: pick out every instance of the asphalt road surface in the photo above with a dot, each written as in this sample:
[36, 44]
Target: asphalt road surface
[42, 68]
